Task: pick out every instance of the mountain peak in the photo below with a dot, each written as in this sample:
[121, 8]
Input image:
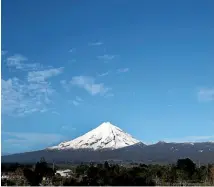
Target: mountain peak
[105, 136]
[106, 124]
[105, 128]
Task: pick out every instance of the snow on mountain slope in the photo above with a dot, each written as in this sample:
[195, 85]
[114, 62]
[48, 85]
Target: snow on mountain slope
[105, 136]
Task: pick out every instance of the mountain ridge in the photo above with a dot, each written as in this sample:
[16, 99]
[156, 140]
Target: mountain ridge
[109, 142]
[149, 154]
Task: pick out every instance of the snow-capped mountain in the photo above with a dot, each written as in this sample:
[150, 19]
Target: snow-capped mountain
[105, 136]
[117, 146]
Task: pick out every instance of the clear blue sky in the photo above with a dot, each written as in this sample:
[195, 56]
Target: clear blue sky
[145, 66]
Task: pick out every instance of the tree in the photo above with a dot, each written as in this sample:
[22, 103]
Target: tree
[41, 170]
[170, 175]
[31, 177]
[70, 182]
[211, 174]
[81, 169]
[57, 180]
[187, 167]
[106, 165]
[200, 174]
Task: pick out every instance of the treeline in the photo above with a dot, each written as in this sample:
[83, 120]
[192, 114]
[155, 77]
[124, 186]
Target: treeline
[184, 172]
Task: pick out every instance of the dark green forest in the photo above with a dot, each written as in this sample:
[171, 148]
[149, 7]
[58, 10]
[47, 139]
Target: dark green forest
[184, 172]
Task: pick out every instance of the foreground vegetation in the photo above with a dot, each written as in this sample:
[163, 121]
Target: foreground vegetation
[184, 172]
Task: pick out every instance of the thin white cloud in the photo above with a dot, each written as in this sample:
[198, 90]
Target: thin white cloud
[63, 82]
[28, 139]
[109, 95]
[72, 61]
[95, 44]
[3, 52]
[104, 74]
[40, 76]
[22, 98]
[206, 94]
[88, 83]
[34, 94]
[76, 103]
[65, 85]
[18, 62]
[79, 98]
[123, 70]
[106, 57]
[55, 113]
[66, 127]
[191, 139]
[72, 50]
